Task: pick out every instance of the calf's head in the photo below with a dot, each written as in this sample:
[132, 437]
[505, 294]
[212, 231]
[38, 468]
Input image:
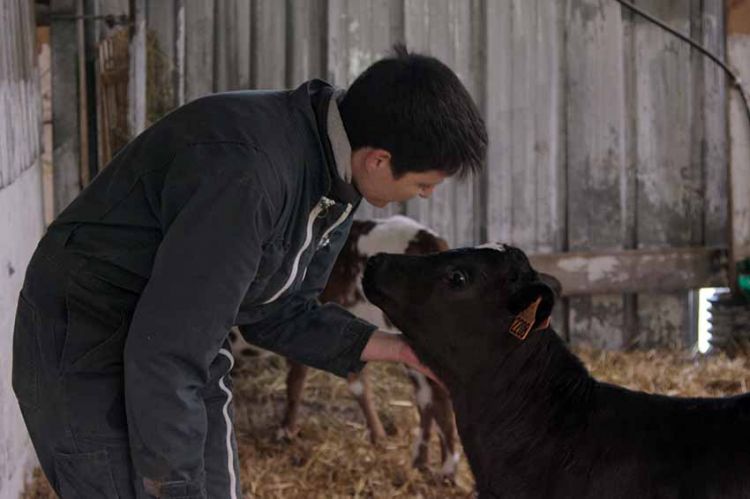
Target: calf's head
[462, 310]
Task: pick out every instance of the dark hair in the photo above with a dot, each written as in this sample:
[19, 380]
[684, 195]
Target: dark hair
[418, 110]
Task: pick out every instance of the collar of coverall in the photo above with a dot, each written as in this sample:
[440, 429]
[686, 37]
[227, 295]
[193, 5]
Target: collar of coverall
[342, 149]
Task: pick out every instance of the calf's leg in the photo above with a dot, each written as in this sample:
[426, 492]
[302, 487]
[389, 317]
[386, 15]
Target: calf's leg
[443, 414]
[359, 386]
[295, 383]
[423, 394]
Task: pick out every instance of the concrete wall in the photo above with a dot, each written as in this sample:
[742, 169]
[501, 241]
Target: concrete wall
[21, 218]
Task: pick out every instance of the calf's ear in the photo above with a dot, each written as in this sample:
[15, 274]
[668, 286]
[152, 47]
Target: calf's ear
[532, 306]
[552, 282]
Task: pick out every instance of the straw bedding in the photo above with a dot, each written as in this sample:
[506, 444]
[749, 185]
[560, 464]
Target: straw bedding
[332, 456]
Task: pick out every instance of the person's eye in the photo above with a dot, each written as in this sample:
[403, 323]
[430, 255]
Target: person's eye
[457, 279]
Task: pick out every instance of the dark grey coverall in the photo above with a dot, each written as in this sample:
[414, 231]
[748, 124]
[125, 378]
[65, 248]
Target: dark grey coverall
[230, 210]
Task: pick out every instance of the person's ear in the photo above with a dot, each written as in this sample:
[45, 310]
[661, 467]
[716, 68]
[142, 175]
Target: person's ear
[377, 159]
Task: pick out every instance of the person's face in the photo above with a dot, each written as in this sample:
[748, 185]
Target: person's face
[373, 177]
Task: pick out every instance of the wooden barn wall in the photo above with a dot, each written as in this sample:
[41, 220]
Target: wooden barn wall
[605, 131]
[19, 93]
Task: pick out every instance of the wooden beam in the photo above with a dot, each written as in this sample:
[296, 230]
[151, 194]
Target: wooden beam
[83, 122]
[179, 52]
[137, 84]
[66, 141]
[268, 31]
[594, 121]
[198, 58]
[91, 42]
[635, 271]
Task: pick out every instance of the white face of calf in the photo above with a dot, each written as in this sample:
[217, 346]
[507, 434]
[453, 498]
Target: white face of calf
[397, 235]
[460, 309]
[391, 235]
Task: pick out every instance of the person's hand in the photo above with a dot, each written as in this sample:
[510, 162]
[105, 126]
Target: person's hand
[393, 348]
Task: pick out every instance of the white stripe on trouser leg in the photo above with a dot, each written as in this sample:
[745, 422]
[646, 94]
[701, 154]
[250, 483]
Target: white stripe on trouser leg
[228, 421]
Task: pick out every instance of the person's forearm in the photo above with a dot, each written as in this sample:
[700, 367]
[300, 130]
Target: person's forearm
[384, 347]
[333, 338]
[390, 347]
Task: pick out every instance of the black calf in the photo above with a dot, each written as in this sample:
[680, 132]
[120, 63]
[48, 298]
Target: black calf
[533, 422]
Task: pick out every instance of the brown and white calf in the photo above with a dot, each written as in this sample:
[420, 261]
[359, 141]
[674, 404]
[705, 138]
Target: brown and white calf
[396, 235]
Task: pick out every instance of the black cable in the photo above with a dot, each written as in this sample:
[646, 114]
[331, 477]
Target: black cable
[736, 81]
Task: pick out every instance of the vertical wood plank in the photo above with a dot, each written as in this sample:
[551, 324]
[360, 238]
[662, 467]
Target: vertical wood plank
[160, 59]
[549, 146]
[19, 88]
[6, 167]
[629, 180]
[360, 32]
[180, 47]
[268, 63]
[244, 26]
[478, 68]
[224, 28]
[548, 101]
[231, 53]
[499, 121]
[595, 124]
[83, 118]
[523, 168]
[137, 70]
[30, 92]
[715, 154]
[306, 41]
[199, 49]
[337, 42]
[66, 155]
[160, 20]
[8, 162]
[524, 105]
[669, 175]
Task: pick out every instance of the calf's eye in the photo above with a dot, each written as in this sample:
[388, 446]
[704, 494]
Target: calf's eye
[456, 279]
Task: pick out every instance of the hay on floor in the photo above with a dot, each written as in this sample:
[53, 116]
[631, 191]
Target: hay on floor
[332, 456]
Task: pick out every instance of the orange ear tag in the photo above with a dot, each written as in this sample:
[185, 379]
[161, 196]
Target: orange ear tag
[524, 321]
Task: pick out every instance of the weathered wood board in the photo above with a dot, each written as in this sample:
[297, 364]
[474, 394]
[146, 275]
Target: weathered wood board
[606, 133]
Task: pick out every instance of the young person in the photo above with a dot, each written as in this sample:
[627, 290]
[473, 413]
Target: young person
[229, 211]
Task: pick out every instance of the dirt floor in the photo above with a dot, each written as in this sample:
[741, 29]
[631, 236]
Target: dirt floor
[332, 457]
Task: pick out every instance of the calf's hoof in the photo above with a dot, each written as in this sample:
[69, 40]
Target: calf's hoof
[377, 435]
[389, 425]
[420, 457]
[448, 470]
